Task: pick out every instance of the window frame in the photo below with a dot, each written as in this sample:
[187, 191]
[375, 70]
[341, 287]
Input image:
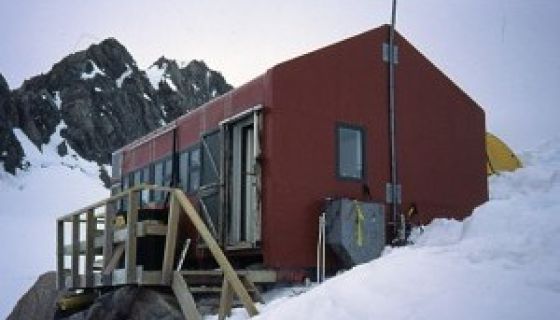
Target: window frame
[362, 130]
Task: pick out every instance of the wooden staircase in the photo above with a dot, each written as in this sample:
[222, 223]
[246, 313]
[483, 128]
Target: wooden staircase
[200, 291]
[118, 245]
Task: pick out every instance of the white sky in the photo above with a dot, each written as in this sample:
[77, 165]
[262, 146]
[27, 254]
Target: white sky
[503, 53]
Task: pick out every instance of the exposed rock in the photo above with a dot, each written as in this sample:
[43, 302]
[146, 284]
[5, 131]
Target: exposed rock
[191, 86]
[39, 302]
[129, 302]
[135, 303]
[104, 100]
[11, 153]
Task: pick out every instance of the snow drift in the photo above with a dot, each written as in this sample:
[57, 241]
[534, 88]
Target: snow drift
[503, 262]
[29, 204]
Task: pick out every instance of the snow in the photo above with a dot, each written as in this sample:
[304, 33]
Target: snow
[97, 89]
[156, 75]
[147, 97]
[123, 76]
[57, 100]
[96, 71]
[502, 262]
[31, 201]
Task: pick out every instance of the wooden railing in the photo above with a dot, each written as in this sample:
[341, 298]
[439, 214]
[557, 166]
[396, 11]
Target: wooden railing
[90, 220]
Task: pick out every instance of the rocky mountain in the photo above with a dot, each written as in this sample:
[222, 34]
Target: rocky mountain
[102, 99]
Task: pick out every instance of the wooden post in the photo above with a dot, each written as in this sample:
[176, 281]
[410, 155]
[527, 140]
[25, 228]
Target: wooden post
[218, 254]
[184, 297]
[90, 250]
[226, 301]
[131, 226]
[108, 240]
[75, 251]
[60, 274]
[170, 240]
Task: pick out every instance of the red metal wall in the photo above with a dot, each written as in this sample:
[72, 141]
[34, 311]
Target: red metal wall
[440, 140]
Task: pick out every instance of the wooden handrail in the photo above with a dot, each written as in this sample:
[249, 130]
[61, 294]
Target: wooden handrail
[217, 252]
[118, 196]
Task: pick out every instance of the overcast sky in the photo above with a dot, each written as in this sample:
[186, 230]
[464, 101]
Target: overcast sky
[504, 53]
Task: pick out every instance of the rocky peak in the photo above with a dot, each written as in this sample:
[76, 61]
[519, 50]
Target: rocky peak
[103, 101]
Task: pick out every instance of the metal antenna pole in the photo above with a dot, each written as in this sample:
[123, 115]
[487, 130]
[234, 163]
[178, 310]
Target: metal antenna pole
[392, 122]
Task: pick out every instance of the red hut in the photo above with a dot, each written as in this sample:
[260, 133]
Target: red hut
[261, 159]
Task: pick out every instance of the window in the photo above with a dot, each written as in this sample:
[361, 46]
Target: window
[194, 170]
[184, 169]
[158, 180]
[350, 153]
[137, 177]
[168, 172]
[147, 179]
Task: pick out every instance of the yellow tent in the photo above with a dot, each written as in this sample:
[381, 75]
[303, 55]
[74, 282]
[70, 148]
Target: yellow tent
[500, 156]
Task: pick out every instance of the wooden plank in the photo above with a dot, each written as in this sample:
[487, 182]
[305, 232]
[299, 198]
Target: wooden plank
[131, 226]
[252, 288]
[90, 249]
[75, 251]
[226, 301]
[60, 277]
[184, 297]
[117, 254]
[108, 239]
[218, 254]
[170, 241]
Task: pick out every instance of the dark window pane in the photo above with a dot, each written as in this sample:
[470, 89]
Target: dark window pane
[194, 170]
[137, 177]
[350, 153]
[184, 170]
[158, 180]
[168, 171]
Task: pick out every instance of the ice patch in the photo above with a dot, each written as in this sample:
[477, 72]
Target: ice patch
[47, 155]
[57, 100]
[155, 74]
[123, 76]
[96, 71]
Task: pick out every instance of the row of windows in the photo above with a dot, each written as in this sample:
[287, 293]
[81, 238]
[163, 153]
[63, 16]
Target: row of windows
[160, 173]
[350, 165]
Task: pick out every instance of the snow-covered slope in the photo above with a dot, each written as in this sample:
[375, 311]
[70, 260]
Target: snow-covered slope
[29, 204]
[503, 262]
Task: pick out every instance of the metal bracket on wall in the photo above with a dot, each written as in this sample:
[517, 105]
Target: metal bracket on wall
[389, 193]
[386, 53]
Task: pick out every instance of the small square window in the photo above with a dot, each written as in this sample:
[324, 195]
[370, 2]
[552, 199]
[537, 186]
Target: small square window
[350, 153]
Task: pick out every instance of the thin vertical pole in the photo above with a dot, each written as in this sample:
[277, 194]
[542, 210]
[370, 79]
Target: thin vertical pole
[75, 251]
[90, 250]
[131, 225]
[60, 272]
[392, 122]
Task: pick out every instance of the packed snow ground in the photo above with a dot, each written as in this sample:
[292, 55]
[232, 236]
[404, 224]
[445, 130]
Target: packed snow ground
[503, 262]
[29, 205]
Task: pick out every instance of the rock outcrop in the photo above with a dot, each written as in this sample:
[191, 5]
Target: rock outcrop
[39, 302]
[104, 100]
[128, 302]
